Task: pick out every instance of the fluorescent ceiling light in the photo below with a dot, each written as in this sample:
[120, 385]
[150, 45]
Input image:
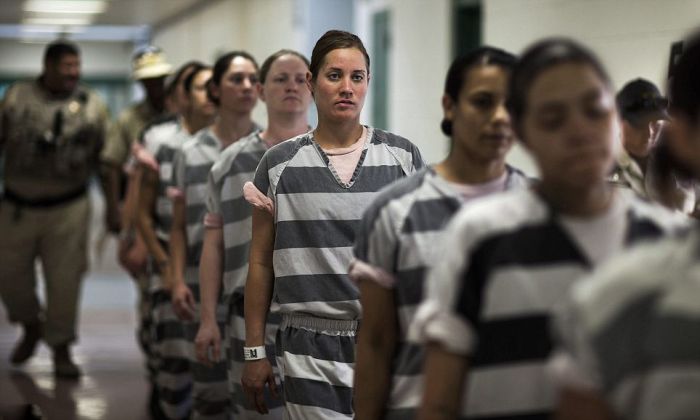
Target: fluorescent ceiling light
[65, 6]
[63, 16]
[110, 33]
[58, 21]
[43, 29]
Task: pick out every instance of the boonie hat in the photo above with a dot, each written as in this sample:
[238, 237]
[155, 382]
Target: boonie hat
[150, 63]
[641, 99]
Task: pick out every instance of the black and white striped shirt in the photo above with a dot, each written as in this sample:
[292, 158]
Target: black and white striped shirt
[505, 265]
[232, 170]
[398, 236]
[162, 141]
[317, 215]
[632, 332]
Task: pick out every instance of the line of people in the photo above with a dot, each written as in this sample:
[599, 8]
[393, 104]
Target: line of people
[312, 273]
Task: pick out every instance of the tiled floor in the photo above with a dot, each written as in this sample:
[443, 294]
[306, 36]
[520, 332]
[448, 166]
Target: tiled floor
[113, 385]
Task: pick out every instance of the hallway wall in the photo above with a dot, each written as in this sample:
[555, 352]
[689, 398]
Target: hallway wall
[631, 36]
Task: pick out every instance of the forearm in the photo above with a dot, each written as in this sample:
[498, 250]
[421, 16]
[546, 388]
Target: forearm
[210, 273]
[110, 181]
[258, 294]
[444, 382]
[373, 371]
[130, 207]
[144, 217]
[144, 225]
[178, 243]
[578, 404]
[258, 287]
[377, 341]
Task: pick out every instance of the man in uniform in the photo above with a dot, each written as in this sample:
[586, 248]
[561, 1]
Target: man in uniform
[641, 108]
[150, 69]
[51, 133]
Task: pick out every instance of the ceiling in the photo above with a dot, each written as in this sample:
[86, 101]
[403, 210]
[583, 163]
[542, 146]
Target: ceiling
[122, 20]
[118, 12]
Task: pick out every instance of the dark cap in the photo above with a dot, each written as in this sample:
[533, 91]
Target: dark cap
[641, 99]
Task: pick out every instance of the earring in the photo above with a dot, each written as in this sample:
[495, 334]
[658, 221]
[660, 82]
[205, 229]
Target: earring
[446, 127]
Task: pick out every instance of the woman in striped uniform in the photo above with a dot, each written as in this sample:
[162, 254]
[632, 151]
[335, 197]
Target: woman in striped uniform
[508, 260]
[395, 245]
[233, 89]
[309, 194]
[132, 253]
[160, 142]
[224, 262]
[630, 337]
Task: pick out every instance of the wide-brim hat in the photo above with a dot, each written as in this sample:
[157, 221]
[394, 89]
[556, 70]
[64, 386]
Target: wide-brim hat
[150, 64]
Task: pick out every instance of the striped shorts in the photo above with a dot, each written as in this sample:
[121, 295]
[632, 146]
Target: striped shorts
[173, 379]
[236, 338]
[316, 357]
[144, 328]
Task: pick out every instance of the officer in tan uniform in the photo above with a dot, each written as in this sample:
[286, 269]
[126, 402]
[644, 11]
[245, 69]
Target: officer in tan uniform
[51, 134]
[150, 69]
[642, 108]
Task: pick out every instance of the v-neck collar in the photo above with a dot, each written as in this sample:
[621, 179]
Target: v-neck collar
[358, 168]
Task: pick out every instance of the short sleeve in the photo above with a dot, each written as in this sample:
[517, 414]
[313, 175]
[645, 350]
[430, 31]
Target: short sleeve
[440, 317]
[376, 239]
[213, 200]
[262, 177]
[179, 166]
[418, 162]
[376, 246]
[115, 149]
[104, 125]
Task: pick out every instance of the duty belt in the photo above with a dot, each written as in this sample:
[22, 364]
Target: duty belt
[13, 197]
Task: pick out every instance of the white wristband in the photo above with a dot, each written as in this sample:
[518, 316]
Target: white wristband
[254, 353]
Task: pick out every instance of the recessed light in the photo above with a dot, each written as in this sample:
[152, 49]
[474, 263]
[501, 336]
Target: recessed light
[65, 6]
[86, 20]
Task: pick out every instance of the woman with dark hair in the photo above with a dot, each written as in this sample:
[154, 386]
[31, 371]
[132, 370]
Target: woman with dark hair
[509, 259]
[309, 194]
[629, 337]
[224, 262]
[395, 244]
[153, 218]
[233, 90]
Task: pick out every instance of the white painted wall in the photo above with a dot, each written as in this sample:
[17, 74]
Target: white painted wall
[264, 26]
[260, 27]
[98, 58]
[418, 61]
[202, 36]
[632, 37]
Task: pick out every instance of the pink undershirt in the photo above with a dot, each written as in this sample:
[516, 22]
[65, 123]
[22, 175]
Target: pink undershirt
[344, 159]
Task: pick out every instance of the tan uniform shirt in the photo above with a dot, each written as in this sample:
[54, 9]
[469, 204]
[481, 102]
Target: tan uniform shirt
[51, 146]
[628, 174]
[126, 131]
